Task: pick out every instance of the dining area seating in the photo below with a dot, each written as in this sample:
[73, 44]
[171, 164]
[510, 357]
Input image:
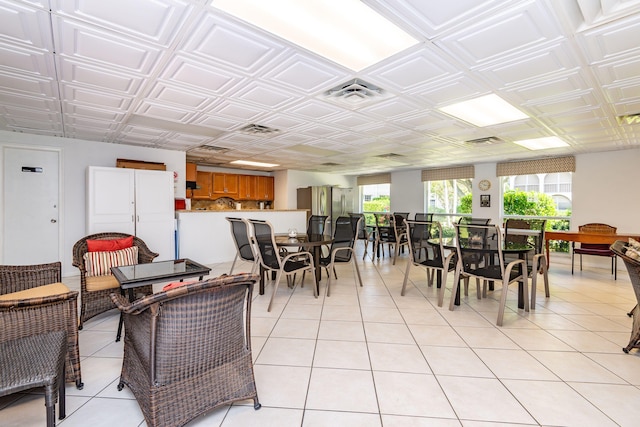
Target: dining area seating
[479, 250]
[342, 248]
[629, 253]
[595, 249]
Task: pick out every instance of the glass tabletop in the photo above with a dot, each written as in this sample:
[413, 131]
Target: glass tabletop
[141, 274]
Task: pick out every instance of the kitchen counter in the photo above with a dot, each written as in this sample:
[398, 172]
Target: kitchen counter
[205, 236]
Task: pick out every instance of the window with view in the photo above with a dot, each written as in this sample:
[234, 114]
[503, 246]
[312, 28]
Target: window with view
[543, 195]
[448, 200]
[375, 198]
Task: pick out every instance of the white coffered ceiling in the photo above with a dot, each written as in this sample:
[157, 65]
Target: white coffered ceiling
[179, 75]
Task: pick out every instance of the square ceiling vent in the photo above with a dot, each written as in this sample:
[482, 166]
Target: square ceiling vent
[355, 93]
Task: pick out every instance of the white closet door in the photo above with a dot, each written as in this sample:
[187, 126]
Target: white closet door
[110, 200]
[155, 213]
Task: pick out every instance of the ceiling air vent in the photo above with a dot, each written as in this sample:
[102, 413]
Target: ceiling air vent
[254, 129]
[354, 92]
[485, 141]
[213, 148]
[629, 119]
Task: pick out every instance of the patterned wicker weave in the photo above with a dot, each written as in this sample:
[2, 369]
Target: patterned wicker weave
[633, 267]
[188, 350]
[21, 318]
[93, 303]
[35, 361]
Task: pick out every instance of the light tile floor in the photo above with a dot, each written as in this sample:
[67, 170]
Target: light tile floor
[370, 357]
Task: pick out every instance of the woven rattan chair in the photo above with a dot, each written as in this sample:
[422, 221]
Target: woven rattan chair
[33, 301]
[633, 268]
[596, 249]
[188, 350]
[94, 302]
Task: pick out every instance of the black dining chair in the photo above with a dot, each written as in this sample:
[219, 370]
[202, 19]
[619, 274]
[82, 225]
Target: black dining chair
[241, 231]
[420, 216]
[426, 250]
[479, 252]
[342, 248]
[271, 260]
[529, 232]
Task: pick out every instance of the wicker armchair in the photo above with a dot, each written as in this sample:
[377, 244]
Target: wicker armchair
[94, 301]
[33, 301]
[187, 350]
[633, 268]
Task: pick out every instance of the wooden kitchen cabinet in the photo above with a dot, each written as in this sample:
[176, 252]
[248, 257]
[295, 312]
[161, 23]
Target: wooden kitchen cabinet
[191, 172]
[203, 182]
[247, 187]
[264, 188]
[224, 185]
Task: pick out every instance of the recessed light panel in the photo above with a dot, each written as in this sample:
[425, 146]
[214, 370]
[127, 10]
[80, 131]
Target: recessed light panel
[345, 31]
[542, 143]
[257, 164]
[485, 111]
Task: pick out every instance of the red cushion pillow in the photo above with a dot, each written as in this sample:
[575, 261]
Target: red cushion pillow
[109, 245]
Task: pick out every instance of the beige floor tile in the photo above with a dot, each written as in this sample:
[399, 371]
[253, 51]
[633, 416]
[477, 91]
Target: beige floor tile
[419, 316]
[282, 386]
[514, 364]
[341, 354]
[341, 331]
[436, 335]
[483, 399]
[287, 351]
[396, 333]
[404, 421]
[397, 358]
[485, 337]
[340, 419]
[623, 365]
[406, 394]
[296, 328]
[614, 400]
[300, 311]
[381, 315]
[586, 341]
[555, 403]
[342, 390]
[536, 339]
[341, 312]
[572, 366]
[459, 361]
[106, 412]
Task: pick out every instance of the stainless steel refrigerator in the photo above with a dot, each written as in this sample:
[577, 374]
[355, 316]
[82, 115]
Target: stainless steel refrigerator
[326, 200]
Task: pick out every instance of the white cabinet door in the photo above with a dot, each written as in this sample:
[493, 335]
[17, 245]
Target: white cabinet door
[110, 200]
[155, 213]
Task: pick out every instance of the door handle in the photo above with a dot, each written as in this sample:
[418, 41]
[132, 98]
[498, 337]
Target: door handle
[53, 221]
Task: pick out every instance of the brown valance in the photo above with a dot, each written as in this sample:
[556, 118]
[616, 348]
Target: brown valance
[442, 174]
[528, 167]
[380, 178]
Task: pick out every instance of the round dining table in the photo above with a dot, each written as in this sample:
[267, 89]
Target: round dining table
[308, 242]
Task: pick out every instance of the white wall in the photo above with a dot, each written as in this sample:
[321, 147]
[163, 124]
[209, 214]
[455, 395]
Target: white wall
[76, 156]
[407, 192]
[605, 189]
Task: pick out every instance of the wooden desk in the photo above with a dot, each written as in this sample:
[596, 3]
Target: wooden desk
[581, 237]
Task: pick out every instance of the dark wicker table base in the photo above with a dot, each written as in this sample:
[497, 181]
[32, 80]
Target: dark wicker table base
[36, 361]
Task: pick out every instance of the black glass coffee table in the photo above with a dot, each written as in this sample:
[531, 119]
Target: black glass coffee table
[131, 277]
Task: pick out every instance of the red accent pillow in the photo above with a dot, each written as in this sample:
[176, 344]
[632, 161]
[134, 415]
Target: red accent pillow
[109, 245]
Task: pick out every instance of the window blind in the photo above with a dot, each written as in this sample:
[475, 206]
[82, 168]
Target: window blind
[442, 174]
[528, 167]
[381, 178]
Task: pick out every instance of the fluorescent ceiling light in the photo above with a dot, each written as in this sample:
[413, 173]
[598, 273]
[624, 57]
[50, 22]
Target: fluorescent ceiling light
[485, 111]
[257, 164]
[345, 31]
[542, 143]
